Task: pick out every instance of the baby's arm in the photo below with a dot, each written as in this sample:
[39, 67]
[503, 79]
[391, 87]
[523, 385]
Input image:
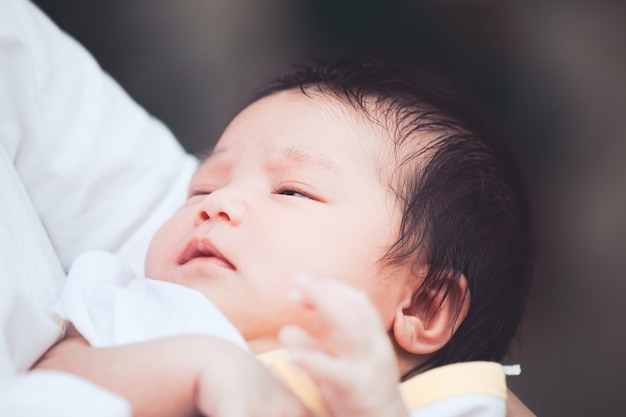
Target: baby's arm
[353, 364]
[178, 376]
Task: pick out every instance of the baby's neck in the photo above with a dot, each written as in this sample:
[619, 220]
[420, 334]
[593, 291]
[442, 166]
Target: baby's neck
[258, 346]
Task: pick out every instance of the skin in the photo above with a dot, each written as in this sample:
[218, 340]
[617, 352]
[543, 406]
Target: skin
[353, 366]
[296, 183]
[195, 374]
[291, 186]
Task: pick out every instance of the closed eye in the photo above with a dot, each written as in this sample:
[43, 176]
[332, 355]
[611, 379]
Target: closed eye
[294, 193]
[198, 193]
[295, 190]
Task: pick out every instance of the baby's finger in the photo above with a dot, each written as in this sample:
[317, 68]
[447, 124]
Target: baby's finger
[324, 369]
[294, 337]
[332, 297]
[342, 310]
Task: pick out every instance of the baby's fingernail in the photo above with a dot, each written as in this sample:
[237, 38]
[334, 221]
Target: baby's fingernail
[285, 334]
[303, 278]
[295, 295]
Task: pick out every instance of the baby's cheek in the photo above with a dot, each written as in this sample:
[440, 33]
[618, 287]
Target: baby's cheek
[157, 254]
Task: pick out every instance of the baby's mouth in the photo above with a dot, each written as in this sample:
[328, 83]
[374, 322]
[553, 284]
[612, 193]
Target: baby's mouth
[199, 249]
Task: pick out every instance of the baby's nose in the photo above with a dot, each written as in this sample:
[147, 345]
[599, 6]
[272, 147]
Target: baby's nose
[221, 205]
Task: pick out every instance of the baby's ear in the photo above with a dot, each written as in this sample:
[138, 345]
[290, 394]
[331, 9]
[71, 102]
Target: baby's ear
[429, 317]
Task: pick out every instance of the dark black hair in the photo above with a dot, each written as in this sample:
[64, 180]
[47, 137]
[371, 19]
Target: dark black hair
[464, 199]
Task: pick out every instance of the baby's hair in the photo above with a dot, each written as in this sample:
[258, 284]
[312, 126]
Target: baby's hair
[465, 207]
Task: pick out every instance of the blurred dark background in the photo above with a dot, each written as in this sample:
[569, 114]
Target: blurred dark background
[553, 71]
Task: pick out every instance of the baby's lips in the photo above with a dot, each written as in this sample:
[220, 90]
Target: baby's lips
[197, 248]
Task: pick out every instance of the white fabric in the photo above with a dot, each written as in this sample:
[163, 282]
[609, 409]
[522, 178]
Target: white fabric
[464, 406]
[81, 167]
[58, 394]
[110, 306]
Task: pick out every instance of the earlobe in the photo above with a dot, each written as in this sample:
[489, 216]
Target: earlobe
[427, 321]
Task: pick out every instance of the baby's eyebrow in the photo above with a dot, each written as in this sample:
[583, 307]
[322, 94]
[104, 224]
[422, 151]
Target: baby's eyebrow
[289, 155]
[213, 163]
[212, 154]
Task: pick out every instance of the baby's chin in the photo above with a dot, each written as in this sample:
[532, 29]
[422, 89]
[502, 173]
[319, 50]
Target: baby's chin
[262, 345]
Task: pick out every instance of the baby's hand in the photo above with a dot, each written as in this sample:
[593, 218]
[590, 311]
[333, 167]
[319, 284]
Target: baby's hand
[241, 386]
[351, 359]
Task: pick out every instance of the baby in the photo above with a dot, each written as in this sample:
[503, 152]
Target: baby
[374, 175]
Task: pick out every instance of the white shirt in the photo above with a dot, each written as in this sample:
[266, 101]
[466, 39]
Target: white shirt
[82, 167]
[110, 304]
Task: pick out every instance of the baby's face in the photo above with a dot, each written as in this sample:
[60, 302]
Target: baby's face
[294, 184]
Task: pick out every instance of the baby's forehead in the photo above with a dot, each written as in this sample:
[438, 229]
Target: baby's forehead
[387, 117]
[302, 119]
[313, 109]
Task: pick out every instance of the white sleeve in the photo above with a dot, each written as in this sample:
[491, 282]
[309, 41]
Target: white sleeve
[100, 171]
[464, 406]
[81, 166]
[57, 394]
[110, 305]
